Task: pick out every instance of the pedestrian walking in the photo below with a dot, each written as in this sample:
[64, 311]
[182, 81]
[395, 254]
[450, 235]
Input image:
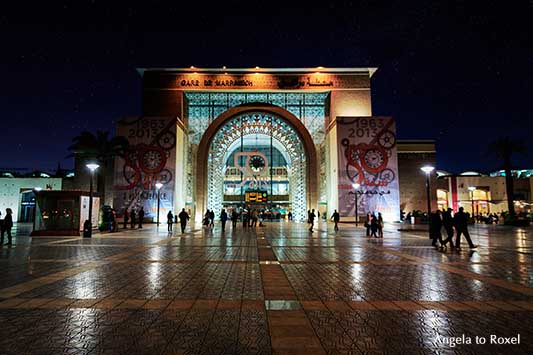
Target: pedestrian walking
[336, 218]
[254, 218]
[170, 221]
[381, 224]
[312, 220]
[373, 226]
[447, 223]
[244, 218]
[184, 217]
[234, 218]
[141, 217]
[6, 227]
[460, 221]
[133, 217]
[126, 218]
[289, 216]
[368, 223]
[211, 218]
[435, 227]
[223, 219]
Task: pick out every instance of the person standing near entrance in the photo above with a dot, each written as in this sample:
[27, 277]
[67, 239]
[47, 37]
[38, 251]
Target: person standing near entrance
[6, 227]
[311, 220]
[223, 219]
[184, 217]
[126, 218]
[170, 220]
[133, 218]
[336, 217]
[141, 217]
[460, 221]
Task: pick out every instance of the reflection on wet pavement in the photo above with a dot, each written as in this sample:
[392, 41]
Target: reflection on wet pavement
[274, 289]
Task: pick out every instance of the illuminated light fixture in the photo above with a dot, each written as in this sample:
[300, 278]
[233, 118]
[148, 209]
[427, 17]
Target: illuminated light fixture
[38, 188]
[427, 169]
[192, 66]
[158, 186]
[257, 67]
[320, 67]
[224, 67]
[92, 167]
[471, 188]
[356, 186]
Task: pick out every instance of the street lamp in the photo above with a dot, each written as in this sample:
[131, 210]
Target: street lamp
[92, 167]
[158, 186]
[427, 170]
[472, 189]
[356, 187]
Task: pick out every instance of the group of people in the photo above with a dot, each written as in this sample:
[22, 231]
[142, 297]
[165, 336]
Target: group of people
[458, 221]
[183, 216]
[374, 225]
[488, 218]
[134, 218]
[248, 218]
[5, 226]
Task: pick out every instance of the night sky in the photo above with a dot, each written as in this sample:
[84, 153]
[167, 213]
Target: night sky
[457, 71]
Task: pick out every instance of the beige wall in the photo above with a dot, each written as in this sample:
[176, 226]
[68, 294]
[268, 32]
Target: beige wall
[412, 180]
[354, 103]
[180, 178]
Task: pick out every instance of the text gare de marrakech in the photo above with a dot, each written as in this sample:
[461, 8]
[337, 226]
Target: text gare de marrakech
[209, 82]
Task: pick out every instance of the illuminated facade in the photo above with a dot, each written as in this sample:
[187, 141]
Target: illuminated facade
[216, 137]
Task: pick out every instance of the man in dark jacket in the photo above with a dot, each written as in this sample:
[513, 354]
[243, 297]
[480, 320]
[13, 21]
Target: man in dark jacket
[335, 217]
[435, 229]
[133, 218]
[460, 220]
[184, 217]
[312, 220]
[447, 223]
[6, 226]
[141, 217]
[223, 219]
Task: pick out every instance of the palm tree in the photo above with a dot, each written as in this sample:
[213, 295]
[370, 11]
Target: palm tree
[88, 146]
[504, 148]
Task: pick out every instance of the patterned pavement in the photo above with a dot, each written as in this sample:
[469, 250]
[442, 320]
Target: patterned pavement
[276, 289]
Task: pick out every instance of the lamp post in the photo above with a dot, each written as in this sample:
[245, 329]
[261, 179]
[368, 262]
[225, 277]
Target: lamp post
[472, 189]
[427, 170]
[356, 187]
[92, 167]
[158, 186]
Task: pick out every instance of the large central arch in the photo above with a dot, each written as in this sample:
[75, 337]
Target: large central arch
[277, 114]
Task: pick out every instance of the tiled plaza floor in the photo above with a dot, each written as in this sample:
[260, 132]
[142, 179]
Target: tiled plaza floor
[274, 289]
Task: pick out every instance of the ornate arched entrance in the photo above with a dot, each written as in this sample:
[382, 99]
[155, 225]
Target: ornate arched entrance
[286, 133]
